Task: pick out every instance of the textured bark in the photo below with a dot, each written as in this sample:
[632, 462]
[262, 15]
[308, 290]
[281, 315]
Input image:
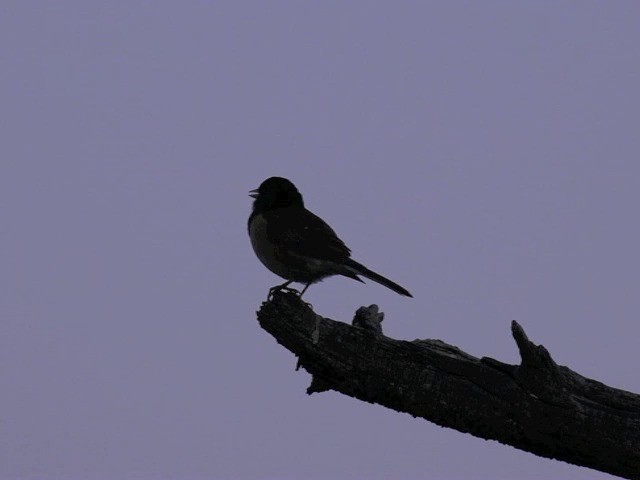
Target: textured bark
[536, 406]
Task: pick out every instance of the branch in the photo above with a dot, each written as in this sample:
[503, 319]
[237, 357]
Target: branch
[537, 406]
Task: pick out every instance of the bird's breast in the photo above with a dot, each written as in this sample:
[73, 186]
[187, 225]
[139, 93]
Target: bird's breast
[265, 249]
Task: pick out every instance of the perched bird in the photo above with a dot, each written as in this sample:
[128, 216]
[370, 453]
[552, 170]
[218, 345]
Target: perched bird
[297, 245]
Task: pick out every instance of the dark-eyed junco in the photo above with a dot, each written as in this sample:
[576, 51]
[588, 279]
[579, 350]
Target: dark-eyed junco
[297, 245]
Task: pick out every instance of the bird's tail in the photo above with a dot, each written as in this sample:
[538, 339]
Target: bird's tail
[360, 269]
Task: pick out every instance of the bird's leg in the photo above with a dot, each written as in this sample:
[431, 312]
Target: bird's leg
[300, 296]
[304, 289]
[285, 286]
[277, 288]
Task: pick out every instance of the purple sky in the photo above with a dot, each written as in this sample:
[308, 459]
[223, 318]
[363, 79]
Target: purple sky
[485, 155]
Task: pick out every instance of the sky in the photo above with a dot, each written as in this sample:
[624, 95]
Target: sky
[484, 155]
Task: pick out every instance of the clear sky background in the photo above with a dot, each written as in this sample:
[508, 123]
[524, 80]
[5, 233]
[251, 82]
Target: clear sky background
[485, 155]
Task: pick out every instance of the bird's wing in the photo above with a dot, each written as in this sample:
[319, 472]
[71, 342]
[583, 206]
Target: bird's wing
[304, 233]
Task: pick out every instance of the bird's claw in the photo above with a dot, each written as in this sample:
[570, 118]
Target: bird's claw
[281, 288]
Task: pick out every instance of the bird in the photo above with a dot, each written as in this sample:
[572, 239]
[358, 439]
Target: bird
[296, 244]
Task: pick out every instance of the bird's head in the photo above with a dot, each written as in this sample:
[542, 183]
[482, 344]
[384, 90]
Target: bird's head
[276, 192]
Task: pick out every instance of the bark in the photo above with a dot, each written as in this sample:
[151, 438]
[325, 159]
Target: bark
[537, 406]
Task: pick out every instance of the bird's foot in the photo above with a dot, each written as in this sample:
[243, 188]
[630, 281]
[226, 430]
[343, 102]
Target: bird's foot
[281, 288]
[284, 288]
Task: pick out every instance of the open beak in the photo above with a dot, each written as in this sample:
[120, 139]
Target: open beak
[253, 193]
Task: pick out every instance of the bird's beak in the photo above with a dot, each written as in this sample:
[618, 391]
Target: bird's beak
[253, 193]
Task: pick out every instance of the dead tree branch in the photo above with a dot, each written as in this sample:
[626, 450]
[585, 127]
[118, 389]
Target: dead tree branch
[537, 406]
